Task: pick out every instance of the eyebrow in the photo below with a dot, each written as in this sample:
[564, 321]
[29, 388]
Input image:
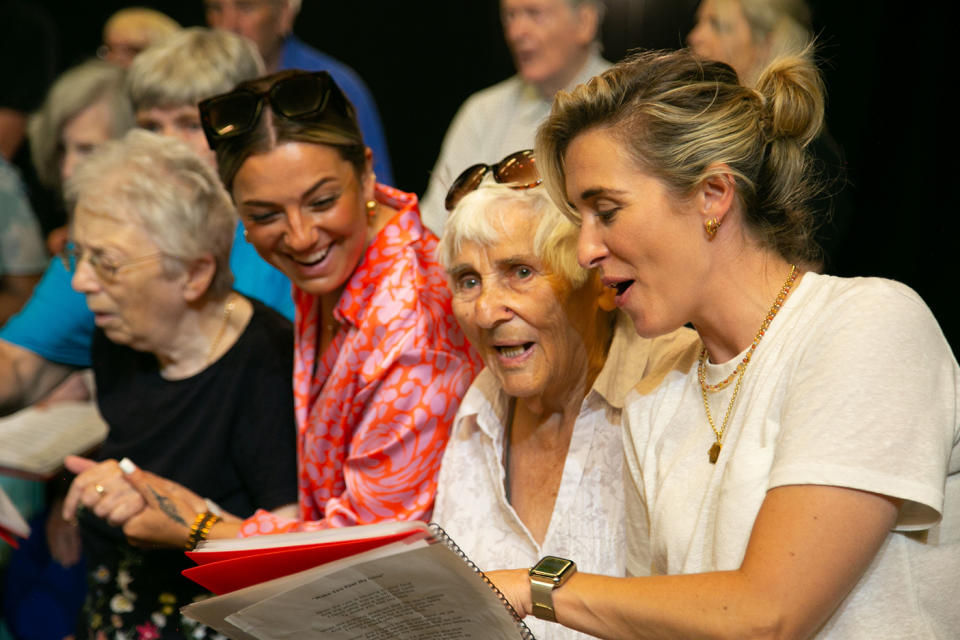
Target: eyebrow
[263, 203]
[597, 191]
[458, 270]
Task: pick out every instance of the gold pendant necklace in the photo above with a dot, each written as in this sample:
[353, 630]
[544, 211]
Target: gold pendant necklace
[737, 373]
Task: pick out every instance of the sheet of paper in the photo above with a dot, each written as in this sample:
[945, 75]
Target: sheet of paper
[402, 591]
[36, 440]
[424, 594]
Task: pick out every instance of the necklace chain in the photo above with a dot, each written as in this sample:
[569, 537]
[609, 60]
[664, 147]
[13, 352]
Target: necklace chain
[737, 373]
[227, 310]
[723, 384]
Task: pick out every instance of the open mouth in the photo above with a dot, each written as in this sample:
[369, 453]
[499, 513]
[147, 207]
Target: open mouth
[314, 258]
[514, 351]
[621, 287]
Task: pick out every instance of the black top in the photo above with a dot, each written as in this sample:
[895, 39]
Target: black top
[227, 433]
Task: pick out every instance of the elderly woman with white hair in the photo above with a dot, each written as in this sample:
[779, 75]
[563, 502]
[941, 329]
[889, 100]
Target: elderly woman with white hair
[193, 378]
[536, 443]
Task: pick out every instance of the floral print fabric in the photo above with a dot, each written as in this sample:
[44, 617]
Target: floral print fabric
[374, 411]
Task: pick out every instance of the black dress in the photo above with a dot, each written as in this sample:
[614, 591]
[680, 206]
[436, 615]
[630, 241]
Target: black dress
[227, 433]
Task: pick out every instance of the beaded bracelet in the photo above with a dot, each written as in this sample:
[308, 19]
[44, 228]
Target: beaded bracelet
[201, 528]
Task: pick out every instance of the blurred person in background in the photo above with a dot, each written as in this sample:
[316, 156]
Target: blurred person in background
[554, 44]
[269, 25]
[51, 337]
[132, 30]
[748, 35]
[22, 254]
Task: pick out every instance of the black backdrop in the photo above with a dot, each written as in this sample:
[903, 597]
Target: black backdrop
[885, 67]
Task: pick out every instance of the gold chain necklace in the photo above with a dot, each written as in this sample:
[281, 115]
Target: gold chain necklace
[227, 310]
[737, 373]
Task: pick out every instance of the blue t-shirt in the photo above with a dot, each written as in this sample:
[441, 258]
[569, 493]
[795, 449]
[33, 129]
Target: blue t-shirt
[299, 55]
[56, 324]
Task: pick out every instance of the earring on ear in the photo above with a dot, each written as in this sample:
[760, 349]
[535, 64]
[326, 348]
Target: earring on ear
[371, 206]
[246, 236]
[711, 226]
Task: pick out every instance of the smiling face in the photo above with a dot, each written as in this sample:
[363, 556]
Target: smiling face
[182, 123]
[303, 207]
[139, 306]
[645, 242]
[723, 33]
[535, 334]
[549, 40]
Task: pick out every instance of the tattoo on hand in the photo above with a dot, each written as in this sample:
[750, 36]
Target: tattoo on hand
[167, 506]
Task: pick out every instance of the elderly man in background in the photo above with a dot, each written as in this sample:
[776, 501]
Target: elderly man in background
[534, 462]
[269, 24]
[554, 46]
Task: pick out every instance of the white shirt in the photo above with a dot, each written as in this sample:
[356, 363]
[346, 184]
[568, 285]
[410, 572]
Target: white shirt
[587, 524]
[854, 386]
[490, 124]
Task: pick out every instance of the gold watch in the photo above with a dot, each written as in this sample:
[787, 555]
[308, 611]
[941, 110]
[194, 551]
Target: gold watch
[548, 574]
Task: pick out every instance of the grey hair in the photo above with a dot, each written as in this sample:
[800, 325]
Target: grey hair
[160, 184]
[480, 217]
[75, 90]
[194, 64]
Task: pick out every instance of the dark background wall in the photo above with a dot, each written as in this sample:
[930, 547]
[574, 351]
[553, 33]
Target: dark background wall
[884, 65]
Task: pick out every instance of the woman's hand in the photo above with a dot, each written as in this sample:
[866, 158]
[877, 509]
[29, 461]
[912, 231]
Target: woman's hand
[169, 512]
[103, 489]
[63, 537]
[514, 584]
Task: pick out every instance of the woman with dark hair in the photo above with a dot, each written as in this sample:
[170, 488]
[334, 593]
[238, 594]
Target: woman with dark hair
[380, 363]
[797, 473]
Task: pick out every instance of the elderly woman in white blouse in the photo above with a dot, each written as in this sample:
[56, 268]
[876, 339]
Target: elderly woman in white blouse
[534, 462]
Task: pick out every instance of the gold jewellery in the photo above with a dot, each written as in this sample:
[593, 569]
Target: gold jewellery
[711, 226]
[227, 310]
[737, 373]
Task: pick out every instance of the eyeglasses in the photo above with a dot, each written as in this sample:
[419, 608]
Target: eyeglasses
[105, 268]
[518, 170]
[296, 96]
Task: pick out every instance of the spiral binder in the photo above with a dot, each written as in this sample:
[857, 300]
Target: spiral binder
[441, 536]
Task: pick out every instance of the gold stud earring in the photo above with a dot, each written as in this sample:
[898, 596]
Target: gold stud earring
[371, 206]
[711, 226]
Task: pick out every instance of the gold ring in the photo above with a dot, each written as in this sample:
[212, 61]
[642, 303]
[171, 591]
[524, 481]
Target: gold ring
[99, 489]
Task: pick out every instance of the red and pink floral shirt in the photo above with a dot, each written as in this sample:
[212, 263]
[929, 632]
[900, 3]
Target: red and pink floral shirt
[374, 413]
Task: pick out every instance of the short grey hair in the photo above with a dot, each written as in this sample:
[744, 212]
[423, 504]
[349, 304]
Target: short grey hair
[75, 90]
[194, 64]
[480, 216]
[160, 184]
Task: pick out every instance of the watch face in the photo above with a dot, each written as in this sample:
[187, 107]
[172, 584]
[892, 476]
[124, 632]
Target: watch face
[552, 565]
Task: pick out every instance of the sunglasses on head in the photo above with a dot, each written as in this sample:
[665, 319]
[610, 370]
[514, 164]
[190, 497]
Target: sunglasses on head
[299, 96]
[518, 170]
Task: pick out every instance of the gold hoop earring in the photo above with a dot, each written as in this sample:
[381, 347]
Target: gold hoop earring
[712, 226]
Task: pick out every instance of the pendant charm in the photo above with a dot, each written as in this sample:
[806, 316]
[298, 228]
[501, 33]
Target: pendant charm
[714, 452]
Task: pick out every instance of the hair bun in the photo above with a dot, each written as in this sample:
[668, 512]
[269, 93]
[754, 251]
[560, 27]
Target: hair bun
[793, 96]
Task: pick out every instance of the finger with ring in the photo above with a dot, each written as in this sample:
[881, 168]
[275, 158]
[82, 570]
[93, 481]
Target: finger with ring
[99, 489]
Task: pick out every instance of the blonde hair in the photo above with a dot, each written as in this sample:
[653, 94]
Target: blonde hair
[153, 25]
[72, 92]
[680, 117]
[192, 65]
[160, 184]
[480, 217]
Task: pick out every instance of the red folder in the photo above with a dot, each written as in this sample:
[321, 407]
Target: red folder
[225, 571]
